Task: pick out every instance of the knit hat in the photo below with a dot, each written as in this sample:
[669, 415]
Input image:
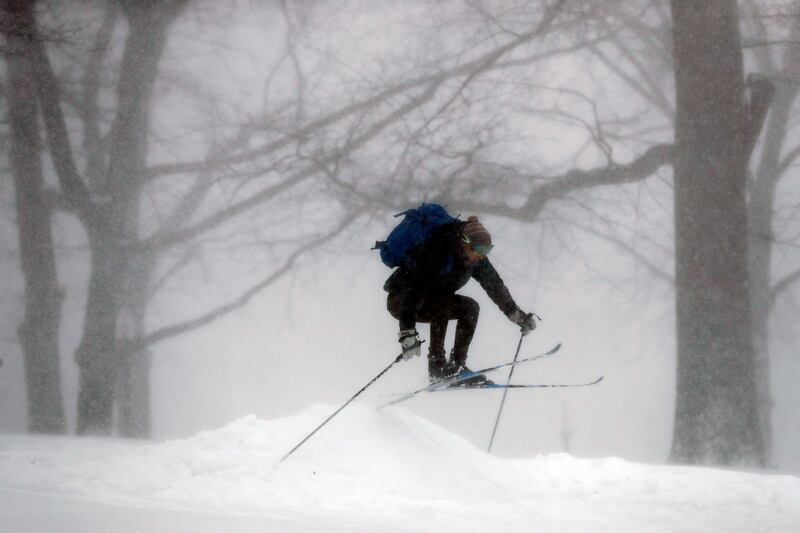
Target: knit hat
[478, 235]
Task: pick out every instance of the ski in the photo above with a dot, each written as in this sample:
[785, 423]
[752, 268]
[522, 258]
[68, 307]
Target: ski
[518, 386]
[453, 380]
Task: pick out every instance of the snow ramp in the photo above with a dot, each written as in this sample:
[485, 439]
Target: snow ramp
[368, 471]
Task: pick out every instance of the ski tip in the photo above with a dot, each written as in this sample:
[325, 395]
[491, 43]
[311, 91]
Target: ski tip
[554, 349]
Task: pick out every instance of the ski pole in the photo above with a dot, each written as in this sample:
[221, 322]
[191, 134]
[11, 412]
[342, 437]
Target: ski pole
[505, 393]
[373, 380]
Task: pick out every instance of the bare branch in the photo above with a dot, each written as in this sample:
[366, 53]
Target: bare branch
[782, 42]
[641, 168]
[760, 93]
[487, 61]
[291, 51]
[271, 191]
[788, 160]
[89, 105]
[492, 58]
[643, 85]
[148, 27]
[211, 316]
[49, 94]
[783, 285]
[654, 268]
[560, 186]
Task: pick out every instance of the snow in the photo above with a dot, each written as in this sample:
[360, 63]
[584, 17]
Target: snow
[367, 470]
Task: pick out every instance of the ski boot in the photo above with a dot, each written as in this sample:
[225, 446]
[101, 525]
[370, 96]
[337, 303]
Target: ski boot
[461, 368]
[438, 367]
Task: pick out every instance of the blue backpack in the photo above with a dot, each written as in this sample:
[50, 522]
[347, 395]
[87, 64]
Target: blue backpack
[417, 226]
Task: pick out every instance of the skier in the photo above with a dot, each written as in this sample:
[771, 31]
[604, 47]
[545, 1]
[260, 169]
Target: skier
[423, 289]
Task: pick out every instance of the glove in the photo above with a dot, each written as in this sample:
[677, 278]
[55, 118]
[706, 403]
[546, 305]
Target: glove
[524, 320]
[410, 343]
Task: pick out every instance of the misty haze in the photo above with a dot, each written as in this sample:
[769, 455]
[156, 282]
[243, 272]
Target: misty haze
[382, 265]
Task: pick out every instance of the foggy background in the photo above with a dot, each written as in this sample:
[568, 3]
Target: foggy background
[595, 265]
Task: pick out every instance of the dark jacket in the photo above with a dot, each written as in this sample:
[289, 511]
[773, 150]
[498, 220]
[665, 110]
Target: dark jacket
[434, 269]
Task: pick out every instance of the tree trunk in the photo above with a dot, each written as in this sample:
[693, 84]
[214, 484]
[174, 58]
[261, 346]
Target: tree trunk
[113, 266]
[716, 415]
[134, 394]
[134, 376]
[96, 355]
[38, 334]
[762, 200]
[760, 267]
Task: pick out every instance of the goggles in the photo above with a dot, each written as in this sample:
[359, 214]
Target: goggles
[479, 249]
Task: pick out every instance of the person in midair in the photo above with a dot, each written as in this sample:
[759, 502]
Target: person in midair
[423, 289]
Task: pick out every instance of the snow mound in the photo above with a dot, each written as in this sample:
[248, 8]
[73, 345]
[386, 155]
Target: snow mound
[388, 471]
[361, 453]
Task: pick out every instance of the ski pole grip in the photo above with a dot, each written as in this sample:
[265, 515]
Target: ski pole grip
[400, 357]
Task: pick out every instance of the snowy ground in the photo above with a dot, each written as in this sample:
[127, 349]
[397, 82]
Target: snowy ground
[366, 471]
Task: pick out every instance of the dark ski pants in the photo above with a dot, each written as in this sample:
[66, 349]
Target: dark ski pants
[437, 312]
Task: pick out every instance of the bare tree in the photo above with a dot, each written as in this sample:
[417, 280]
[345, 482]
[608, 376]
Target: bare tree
[109, 212]
[716, 420]
[775, 58]
[773, 166]
[38, 334]
[775, 54]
